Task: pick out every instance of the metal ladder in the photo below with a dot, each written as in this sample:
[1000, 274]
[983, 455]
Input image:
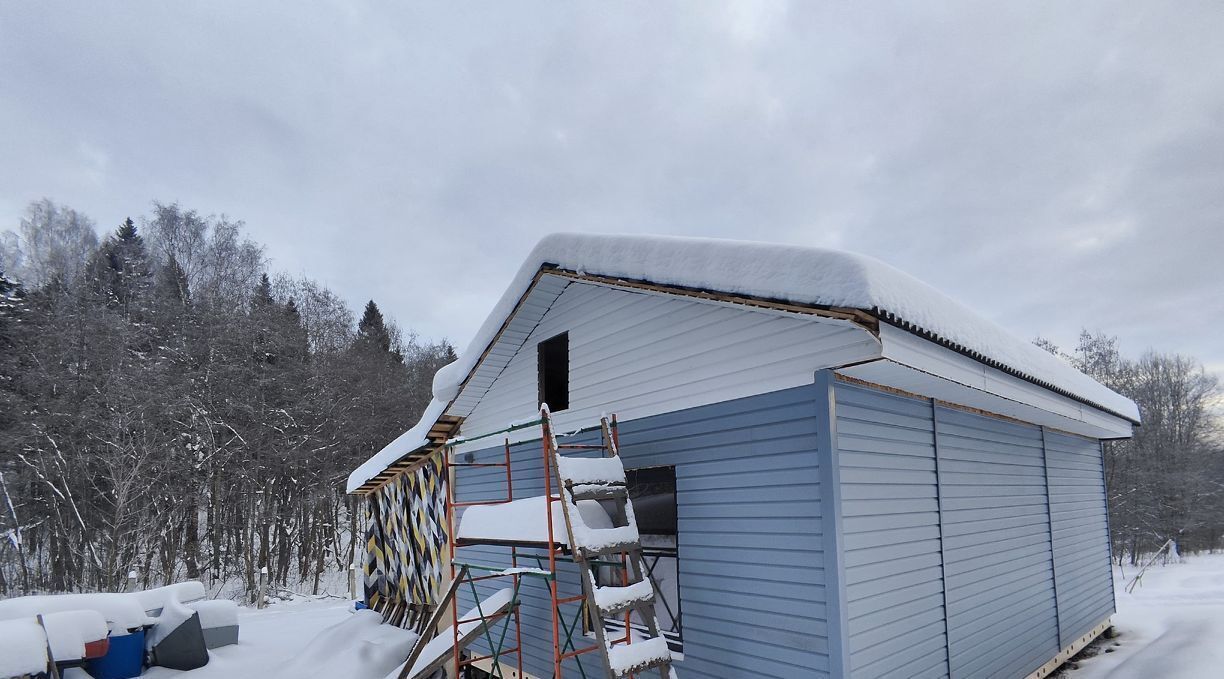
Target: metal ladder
[602, 479]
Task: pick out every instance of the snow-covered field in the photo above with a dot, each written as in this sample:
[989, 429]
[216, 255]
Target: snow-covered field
[268, 640]
[1171, 627]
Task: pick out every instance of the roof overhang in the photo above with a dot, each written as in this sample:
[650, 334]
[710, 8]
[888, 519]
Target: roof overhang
[920, 353]
[918, 366]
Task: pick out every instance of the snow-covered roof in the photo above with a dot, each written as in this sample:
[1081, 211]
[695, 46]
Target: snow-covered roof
[800, 275]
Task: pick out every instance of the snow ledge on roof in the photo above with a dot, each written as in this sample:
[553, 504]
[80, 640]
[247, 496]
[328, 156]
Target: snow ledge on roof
[801, 275]
[413, 439]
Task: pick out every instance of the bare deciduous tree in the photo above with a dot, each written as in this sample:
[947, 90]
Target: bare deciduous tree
[172, 410]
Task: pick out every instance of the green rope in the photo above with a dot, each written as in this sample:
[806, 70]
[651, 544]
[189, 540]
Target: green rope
[514, 427]
[459, 440]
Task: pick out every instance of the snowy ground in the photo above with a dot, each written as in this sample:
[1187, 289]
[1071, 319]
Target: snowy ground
[1171, 627]
[267, 639]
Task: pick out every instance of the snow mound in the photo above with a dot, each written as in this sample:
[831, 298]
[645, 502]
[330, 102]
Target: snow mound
[154, 599]
[469, 623]
[23, 648]
[172, 615]
[216, 613]
[121, 611]
[69, 631]
[359, 647]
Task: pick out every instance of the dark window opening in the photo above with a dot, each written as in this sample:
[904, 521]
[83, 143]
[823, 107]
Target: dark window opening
[553, 360]
[653, 492]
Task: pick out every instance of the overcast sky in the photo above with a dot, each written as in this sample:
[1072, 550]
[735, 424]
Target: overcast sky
[1053, 165]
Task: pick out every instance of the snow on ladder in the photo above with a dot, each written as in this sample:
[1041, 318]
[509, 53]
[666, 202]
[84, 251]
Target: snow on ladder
[603, 479]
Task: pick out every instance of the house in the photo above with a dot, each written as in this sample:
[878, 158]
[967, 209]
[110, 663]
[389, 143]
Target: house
[839, 470]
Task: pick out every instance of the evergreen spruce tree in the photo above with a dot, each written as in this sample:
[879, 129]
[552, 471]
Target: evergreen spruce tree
[120, 269]
[372, 333]
[263, 294]
[296, 341]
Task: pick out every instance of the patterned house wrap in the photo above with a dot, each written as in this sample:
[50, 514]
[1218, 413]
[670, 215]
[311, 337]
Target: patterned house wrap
[406, 538]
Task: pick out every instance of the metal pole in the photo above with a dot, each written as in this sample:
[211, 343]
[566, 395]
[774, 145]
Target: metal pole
[552, 545]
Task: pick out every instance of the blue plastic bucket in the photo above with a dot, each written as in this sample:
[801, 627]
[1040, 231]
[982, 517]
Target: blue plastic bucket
[124, 660]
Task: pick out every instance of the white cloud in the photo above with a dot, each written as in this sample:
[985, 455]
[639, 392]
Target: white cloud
[1053, 167]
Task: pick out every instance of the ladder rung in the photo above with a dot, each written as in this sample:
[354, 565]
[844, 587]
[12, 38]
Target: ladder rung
[626, 659]
[598, 491]
[603, 470]
[477, 503]
[613, 601]
[578, 652]
[580, 446]
[630, 546]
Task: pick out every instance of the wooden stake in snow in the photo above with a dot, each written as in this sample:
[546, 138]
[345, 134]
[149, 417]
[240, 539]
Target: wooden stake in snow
[263, 586]
[52, 668]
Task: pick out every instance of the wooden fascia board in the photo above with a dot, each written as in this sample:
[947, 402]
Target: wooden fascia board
[412, 460]
[858, 316]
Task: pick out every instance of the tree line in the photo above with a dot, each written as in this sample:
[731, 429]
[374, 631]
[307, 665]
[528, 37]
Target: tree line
[1167, 482]
[169, 407]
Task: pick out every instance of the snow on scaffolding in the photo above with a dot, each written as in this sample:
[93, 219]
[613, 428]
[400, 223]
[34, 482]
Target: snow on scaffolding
[526, 521]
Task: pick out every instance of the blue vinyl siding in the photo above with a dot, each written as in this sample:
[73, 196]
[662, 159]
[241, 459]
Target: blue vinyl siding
[974, 546]
[1081, 536]
[1002, 619]
[750, 546]
[890, 521]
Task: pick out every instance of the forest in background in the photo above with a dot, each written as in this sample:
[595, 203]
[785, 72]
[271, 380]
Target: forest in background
[1167, 482]
[169, 407]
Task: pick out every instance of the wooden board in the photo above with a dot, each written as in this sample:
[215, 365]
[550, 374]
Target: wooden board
[443, 652]
[1069, 652]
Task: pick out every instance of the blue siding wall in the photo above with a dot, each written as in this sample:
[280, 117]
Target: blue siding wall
[749, 517]
[973, 546]
[1002, 619]
[1081, 536]
[890, 519]
[999, 524]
